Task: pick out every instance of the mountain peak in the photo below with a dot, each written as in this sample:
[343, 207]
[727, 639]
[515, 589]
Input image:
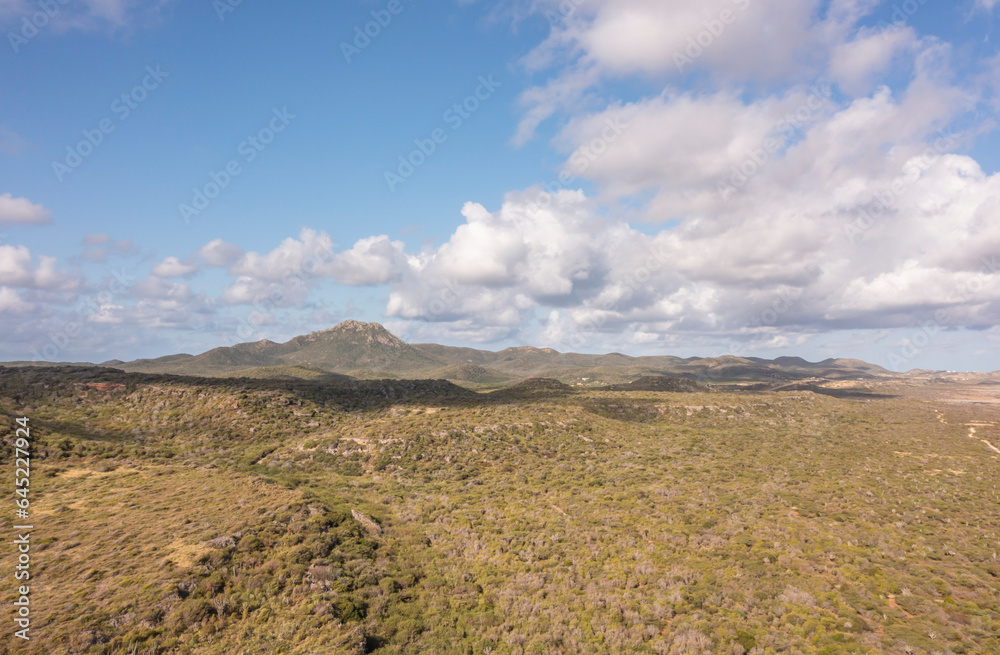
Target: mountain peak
[358, 333]
[357, 326]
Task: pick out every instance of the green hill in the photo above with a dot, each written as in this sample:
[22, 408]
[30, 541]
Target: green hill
[470, 373]
[286, 372]
[369, 351]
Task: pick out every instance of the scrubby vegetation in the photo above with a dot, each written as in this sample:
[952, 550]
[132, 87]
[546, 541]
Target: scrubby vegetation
[369, 351]
[265, 516]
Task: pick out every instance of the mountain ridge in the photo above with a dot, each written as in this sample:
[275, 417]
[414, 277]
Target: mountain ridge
[369, 350]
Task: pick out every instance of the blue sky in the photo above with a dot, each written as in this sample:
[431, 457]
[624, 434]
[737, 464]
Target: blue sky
[573, 176]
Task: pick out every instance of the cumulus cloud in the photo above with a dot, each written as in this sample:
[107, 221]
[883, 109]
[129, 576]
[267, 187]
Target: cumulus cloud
[218, 253]
[150, 303]
[856, 64]
[11, 302]
[157, 288]
[736, 37]
[294, 257]
[371, 261]
[772, 272]
[285, 274]
[688, 148]
[860, 216]
[497, 268]
[19, 270]
[174, 267]
[279, 278]
[21, 211]
[735, 41]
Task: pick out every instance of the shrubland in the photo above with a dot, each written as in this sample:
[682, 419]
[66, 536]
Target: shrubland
[335, 516]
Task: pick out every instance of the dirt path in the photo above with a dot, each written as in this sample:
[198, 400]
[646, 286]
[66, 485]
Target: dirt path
[895, 606]
[972, 431]
[972, 435]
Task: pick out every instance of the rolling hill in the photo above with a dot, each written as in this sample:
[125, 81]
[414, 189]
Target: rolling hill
[368, 350]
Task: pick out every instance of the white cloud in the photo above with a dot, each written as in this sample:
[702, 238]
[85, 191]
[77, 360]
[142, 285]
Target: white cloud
[498, 267]
[856, 64]
[11, 302]
[293, 258]
[281, 277]
[733, 37]
[372, 261]
[788, 238]
[735, 41]
[247, 290]
[18, 269]
[542, 102]
[591, 275]
[21, 211]
[651, 36]
[218, 253]
[174, 267]
[304, 260]
[686, 149]
[157, 288]
[154, 302]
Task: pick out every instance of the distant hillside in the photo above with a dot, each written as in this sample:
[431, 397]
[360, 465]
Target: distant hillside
[532, 387]
[479, 375]
[349, 346]
[661, 383]
[369, 351]
[287, 372]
